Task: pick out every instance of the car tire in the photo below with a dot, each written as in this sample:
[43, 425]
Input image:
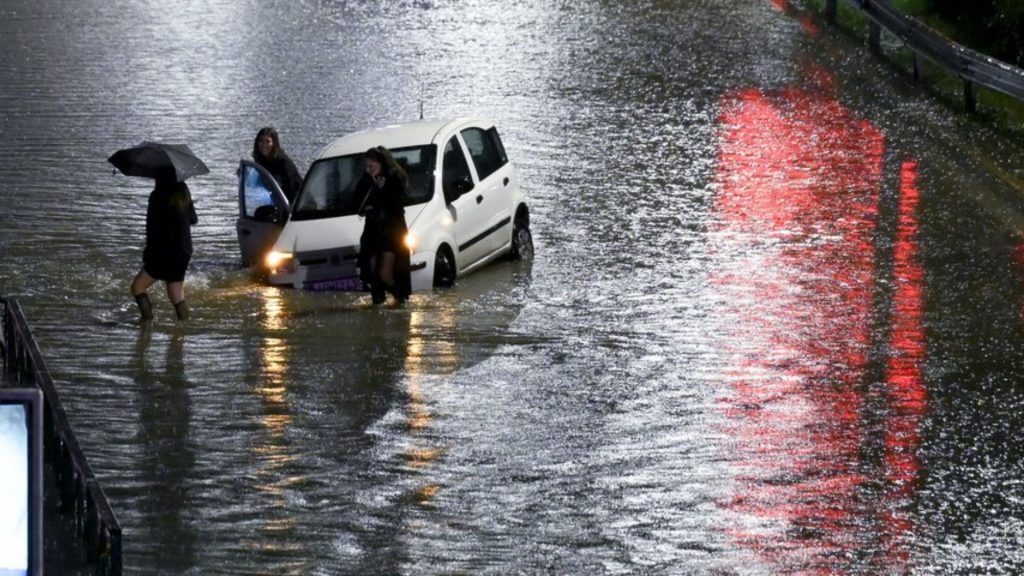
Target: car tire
[444, 269]
[522, 242]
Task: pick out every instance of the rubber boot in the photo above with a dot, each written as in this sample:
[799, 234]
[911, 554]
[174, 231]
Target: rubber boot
[377, 293]
[393, 290]
[145, 307]
[181, 309]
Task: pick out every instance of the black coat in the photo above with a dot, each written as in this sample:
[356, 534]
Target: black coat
[170, 214]
[385, 228]
[284, 172]
[384, 208]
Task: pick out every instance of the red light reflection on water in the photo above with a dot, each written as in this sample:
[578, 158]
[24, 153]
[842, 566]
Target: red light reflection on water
[907, 396]
[799, 182]
[806, 19]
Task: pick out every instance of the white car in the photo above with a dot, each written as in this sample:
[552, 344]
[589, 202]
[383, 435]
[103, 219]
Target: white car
[464, 207]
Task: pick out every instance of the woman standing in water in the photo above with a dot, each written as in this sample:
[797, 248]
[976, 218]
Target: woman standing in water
[383, 254]
[170, 214]
[267, 152]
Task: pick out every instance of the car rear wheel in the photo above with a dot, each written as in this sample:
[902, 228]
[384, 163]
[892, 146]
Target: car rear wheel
[444, 269]
[522, 242]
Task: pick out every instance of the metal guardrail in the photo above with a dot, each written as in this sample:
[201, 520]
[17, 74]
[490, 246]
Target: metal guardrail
[974, 68]
[80, 493]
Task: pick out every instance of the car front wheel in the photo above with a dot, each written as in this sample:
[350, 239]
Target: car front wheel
[444, 269]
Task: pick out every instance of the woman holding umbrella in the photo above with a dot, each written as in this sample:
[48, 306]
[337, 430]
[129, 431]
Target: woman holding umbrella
[170, 214]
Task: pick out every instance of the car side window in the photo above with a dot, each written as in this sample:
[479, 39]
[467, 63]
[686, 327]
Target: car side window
[261, 197]
[486, 150]
[454, 168]
[256, 191]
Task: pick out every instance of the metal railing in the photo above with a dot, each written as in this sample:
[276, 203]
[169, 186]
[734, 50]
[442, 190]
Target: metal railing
[81, 496]
[973, 68]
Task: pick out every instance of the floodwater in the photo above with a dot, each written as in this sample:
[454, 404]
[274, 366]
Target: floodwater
[774, 325]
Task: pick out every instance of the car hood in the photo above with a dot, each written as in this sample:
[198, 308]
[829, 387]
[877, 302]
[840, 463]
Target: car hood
[326, 233]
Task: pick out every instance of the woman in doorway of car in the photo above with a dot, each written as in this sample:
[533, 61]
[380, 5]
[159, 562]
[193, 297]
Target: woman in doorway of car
[383, 254]
[267, 152]
[170, 214]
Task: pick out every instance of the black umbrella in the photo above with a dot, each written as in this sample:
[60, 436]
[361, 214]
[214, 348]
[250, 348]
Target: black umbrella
[151, 159]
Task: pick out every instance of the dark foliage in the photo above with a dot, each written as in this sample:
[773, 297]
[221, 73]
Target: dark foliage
[994, 27]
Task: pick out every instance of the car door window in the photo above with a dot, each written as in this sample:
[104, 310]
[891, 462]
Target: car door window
[485, 149]
[261, 197]
[257, 193]
[455, 168]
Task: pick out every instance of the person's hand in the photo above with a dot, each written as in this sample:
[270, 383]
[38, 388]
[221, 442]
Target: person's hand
[379, 181]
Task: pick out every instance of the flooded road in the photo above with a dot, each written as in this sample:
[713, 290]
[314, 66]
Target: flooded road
[774, 323]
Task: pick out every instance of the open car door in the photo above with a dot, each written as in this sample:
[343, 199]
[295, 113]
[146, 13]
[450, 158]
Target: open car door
[262, 211]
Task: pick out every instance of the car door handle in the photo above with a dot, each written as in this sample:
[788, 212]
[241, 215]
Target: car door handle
[505, 181]
[479, 199]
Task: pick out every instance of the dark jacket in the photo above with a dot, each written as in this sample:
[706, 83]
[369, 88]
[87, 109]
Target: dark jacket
[169, 216]
[284, 172]
[385, 228]
[384, 208]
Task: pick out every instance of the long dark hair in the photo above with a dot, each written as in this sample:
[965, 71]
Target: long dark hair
[275, 152]
[391, 168]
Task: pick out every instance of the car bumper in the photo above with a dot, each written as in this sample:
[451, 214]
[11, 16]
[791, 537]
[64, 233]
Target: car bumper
[338, 271]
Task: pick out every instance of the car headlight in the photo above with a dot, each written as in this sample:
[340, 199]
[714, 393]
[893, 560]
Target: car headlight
[276, 260]
[411, 241]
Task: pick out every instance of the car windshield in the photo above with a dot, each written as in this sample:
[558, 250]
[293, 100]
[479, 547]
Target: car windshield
[329, 189]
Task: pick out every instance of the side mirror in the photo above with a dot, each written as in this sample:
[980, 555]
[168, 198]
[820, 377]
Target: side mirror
[266, 213]
[463, 185]
[457, 189]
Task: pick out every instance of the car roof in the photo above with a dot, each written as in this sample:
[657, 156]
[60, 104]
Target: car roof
[415, 133]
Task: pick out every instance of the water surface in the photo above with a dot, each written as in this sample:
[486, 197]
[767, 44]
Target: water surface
[773, 326]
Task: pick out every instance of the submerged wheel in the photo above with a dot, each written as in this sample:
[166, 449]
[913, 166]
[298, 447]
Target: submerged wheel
[444, 269]
[522, 242]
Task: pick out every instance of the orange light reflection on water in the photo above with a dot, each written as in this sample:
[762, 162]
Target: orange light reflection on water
[274, 456]
[421, 351]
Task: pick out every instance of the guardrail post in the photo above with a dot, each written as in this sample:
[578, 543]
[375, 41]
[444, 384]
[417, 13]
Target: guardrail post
[916, 68]
[874, 37]
[92, 528]
[970, 98]
[66, 475]
[830, 11]
[116, 561]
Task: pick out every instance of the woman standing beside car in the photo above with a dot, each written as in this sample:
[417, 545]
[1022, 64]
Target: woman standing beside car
[267, 152]
[383, 254]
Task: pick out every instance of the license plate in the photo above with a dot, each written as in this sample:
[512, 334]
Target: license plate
[346, 284]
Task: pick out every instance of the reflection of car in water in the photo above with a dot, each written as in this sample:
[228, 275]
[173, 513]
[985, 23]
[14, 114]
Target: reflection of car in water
[464, 207]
